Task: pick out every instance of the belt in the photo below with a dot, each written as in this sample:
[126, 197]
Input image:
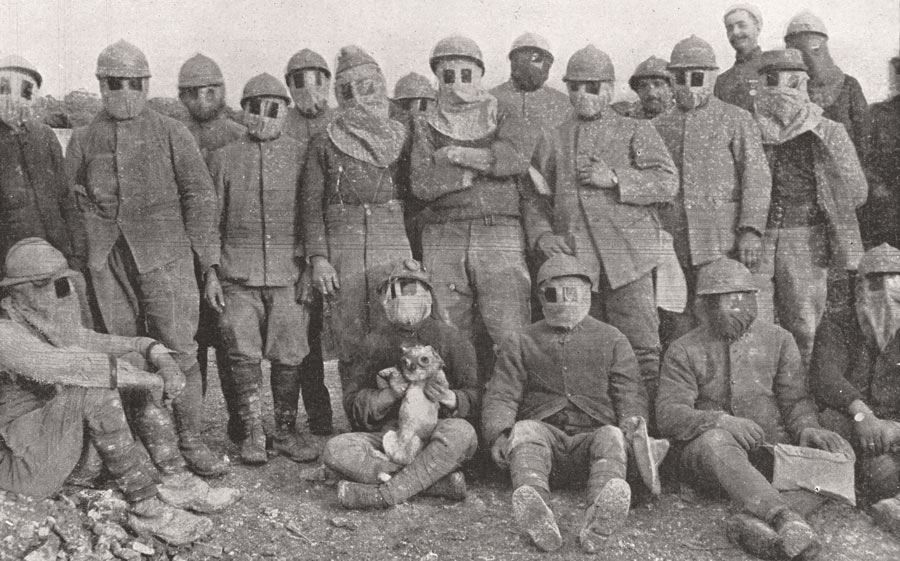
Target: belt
[367, 207]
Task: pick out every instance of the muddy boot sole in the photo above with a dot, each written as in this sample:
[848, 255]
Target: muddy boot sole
[605, 516]
[753, 536]
[535, 518]
[798, 539]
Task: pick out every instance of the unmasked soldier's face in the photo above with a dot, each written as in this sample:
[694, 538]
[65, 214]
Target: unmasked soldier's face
[204, 103]
[878, 307]
[655, 94]
[18, 92]
[742, 31]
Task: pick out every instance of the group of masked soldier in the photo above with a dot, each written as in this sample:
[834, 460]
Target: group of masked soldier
[720, 222]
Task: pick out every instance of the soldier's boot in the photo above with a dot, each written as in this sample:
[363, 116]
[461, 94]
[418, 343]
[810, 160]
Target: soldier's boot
[360, 496]
[285, 382]
[187, 491]
[753, 536]
[887, 514]
[798, 539]
[316, 399]
[451, 487]
[188, 410]
[252, 444]
[608, 494]
[529, 469]
[171, 525]
[233, 429]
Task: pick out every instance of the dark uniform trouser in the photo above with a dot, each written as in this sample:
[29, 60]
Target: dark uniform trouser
[41, 448]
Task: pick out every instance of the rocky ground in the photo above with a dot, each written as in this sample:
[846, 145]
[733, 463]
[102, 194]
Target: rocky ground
[290, 512]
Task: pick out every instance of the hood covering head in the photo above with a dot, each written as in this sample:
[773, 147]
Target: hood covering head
[465, 110]
[565, 300]
[363, 128]
[731, 314]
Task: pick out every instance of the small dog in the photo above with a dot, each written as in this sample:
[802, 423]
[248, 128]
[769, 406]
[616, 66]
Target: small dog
[418, 414]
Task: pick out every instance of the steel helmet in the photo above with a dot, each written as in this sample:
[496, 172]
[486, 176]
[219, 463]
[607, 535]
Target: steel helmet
[589, 64]
[352, 56]
[306, 59]
[724, 275]
[408, 269]
[200, 70]
[33, 259]
[456, 46]
[264, 85]
[122, 60]
[15, 62]
[693, 52]
[805, 22]
[413, 86]
[562, 265]
[653, 67]
[882, 259]
[782, 59]
[531, 41]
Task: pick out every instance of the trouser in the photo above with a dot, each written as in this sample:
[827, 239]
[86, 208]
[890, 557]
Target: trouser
[798, 260]
[632, 310]
[41, 448]
[316, 399]
[716, 459]
[208, 336]
[161, 304]
[480, 280]
[263, 322]
[878, 477]
[359, 456]
[541, 455]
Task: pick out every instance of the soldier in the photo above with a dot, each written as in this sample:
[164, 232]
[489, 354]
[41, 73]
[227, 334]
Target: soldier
[855, 375]
[606, 173]
[466, 158]
[149, 207]
[817, 185]
[565, 396]
[59, 381]
[729, 386]
[652, 82]
[352, 212]
[255, 290]
[737, 85]
[883, 170]
[408, 302]
[201, 88]
[722, 205]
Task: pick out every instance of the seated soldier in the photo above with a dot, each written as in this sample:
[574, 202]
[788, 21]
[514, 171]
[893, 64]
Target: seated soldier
[565, 395]
[58, 397]
[730, 386]
[359, 457]
[855, 375]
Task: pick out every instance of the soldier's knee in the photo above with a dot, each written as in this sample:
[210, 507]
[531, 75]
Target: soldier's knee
[715, 439]
[527, 432]
[880, 476]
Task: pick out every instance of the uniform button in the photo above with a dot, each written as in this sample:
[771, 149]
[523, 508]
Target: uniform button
[568, 394]
[565, 368]
[451, 286]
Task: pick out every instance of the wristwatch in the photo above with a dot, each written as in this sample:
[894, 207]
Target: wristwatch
[859, 417]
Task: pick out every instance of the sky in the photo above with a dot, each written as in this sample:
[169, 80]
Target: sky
[63, 37]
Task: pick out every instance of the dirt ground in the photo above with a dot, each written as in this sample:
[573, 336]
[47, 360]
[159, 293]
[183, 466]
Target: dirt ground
[289, 513]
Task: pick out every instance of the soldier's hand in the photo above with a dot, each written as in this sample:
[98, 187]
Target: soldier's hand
[629, 425]
[552, 244]
[746, 432]
[438, 390]
[876, 436]
[749, 249]
[478, 159]
[825, 440]
[304, 287]
[324, 276]
[596, 173]
[500, 452]
[213, 292]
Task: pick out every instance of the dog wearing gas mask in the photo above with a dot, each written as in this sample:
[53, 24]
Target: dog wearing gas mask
[418, 417]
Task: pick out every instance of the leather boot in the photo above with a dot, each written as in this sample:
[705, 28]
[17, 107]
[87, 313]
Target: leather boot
[156, 428]
[189, 492]
[223, 367]
[188, 409]
[798, 539]
[753, 536]
[285, 382]
[171, 525]
[360, 496]
[316, 399]
[535, 518]
[249, 409]
[451, 487]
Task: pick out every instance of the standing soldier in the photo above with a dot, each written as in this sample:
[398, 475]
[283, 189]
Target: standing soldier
[201, 88]
[352, 213]
[737, 85]
[652, 82]
[817, 185]
[465, 160]
[606, 172]
[883, 169]
[725, 181]
[148, 202]
[309, 81]
[258, 182]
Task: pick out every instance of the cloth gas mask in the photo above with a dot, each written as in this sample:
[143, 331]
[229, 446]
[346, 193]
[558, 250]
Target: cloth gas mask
[782, 107]
[693, 87]
[459, 81]
[406, 302]
[878, 307]
[18, 91]
[204, 103]
[124, 98]
[465, 111]
[50, 305]
[362, 93]
[309, 90]
[589, 99]
[529, 68]
[731, 314]
[264, 116]
[566, 301]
